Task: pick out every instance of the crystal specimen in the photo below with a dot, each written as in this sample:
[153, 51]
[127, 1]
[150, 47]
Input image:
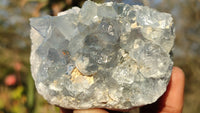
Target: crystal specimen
[109, 55]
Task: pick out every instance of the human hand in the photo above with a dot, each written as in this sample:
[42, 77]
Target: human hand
[170, 102]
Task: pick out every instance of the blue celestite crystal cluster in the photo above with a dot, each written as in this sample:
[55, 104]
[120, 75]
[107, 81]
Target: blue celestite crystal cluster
[109, 55]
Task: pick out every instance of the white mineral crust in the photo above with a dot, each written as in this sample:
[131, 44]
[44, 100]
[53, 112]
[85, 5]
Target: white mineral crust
[109, 55]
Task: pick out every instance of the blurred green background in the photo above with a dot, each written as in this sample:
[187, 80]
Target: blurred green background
[17, 90]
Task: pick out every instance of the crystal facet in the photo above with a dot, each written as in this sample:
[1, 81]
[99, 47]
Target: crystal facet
[109, 55]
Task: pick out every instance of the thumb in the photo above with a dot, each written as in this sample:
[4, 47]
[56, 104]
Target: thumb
[172, 100]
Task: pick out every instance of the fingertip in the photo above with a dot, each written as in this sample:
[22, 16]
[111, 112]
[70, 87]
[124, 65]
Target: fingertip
[178, 74]
[90, 111]
[173, 98]
[177, 82]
